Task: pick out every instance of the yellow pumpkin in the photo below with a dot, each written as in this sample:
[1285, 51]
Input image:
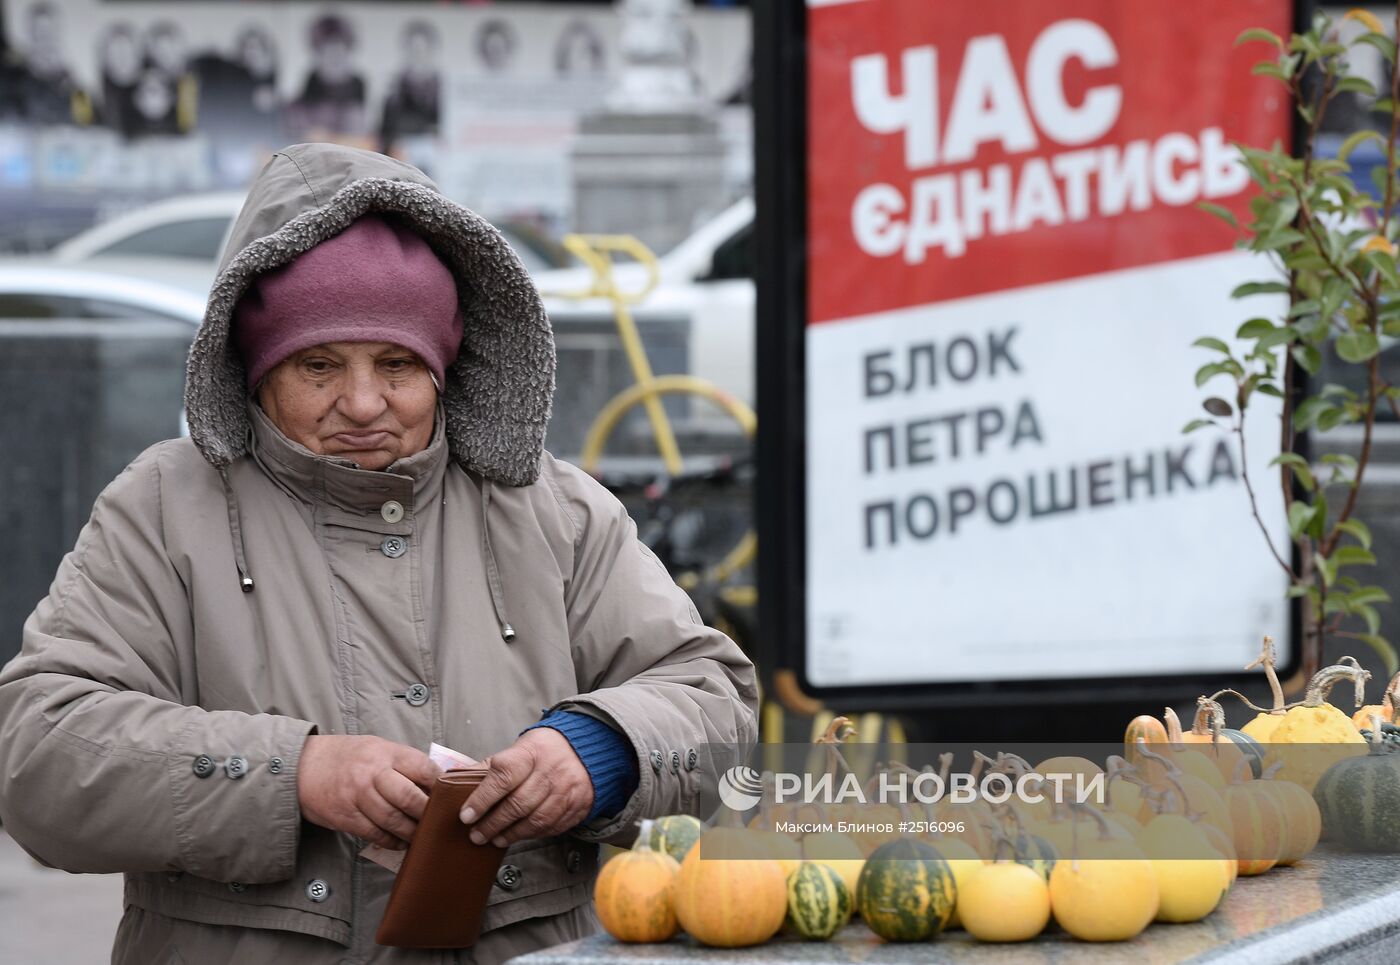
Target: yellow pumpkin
[1224, 844]
[1262, 727]
[1192, 874]
[1104, 900]
[1317, 727]
[1124, 796]
[730, 902]
[1189, 888]
[635, 895]
[1004, 902]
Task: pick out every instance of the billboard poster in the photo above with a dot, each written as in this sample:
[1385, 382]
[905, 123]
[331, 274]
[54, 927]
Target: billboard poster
[1006, 267]
[109, 104]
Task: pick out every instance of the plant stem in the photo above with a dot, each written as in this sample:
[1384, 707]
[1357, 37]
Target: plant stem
[1253, 500]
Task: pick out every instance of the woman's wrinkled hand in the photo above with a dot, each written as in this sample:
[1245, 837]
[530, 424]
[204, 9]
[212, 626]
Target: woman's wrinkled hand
[365, 786]
[536, 788]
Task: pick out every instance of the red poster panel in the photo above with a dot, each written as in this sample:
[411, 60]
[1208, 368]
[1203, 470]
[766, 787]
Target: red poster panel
[962, 148]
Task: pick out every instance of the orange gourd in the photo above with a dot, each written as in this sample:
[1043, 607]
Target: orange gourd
[1386, 710]
[1145, 728]
[635, 894]
[1302, 820]
[729, 901]
[1258, 826]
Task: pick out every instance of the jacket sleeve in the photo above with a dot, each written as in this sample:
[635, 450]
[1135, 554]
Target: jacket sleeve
[103, 765]
[683, 693]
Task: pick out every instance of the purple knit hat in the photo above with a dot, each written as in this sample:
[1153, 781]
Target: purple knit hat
[376, 281]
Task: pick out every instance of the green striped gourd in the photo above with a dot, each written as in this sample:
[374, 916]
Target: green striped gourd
[818, 901]
[675, 833]
[1036, 853]
[1360, 802]
[906, 891]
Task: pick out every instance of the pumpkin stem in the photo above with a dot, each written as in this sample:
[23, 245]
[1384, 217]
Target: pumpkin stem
[945, 767]
[1375, 732]
[1271, 770]
[1120, 768]
[838, 732]
[1320, 687]
[1244, 700]
[1266, 660]
[1210, 718]
[999, 838]
[1174, 793]
[1391, 697]
[1167, 764]
[1173, 723]
[643, 842]
[1077, 808]
[979, 762]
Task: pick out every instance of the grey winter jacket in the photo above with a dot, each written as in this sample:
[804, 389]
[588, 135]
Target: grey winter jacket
[234, 593]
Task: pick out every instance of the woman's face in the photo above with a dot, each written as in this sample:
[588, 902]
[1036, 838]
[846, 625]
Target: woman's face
[370, 402]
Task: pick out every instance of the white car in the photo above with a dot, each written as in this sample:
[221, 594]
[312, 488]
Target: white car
[34, 289]
[707, 279]
[193, 228]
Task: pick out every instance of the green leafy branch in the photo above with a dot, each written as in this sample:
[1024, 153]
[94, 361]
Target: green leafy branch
[1334, 249]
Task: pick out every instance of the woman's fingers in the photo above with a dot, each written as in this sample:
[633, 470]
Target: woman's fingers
[386, 816]
[515, 812]
[415, 765]
[557, 811]
[508, 770]
[402, 793]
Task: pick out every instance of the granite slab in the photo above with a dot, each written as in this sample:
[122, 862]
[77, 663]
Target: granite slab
[1332, 906]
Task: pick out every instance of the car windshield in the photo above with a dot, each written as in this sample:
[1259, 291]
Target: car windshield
[197, 238]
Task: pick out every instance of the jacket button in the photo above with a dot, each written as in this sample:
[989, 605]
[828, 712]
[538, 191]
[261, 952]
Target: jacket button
[237, 887]
[274, 765]
[394, 547]
[417, 695]
[392, 511]
[691, 759]
[657, 761]
[574, 860]
[236, 767]
[508, 877]
[203, 765]
[675, 762]
[317, 890]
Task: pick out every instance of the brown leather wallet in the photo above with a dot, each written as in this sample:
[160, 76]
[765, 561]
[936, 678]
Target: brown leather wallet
[440, 893]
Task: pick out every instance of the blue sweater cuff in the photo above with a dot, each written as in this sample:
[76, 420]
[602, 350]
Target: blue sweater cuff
[607, 755]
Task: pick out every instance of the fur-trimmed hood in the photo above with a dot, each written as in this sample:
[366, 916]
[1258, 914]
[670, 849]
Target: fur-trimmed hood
[499, 390]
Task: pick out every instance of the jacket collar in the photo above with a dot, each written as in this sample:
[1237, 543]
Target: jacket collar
[412, 481]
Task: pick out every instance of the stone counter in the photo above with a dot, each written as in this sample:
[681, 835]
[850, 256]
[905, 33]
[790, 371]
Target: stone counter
[1332, 906]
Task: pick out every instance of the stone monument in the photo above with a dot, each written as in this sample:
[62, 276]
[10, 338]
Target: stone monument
[652, 161]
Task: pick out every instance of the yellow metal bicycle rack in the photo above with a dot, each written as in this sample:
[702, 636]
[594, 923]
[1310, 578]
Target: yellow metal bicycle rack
[598, 253]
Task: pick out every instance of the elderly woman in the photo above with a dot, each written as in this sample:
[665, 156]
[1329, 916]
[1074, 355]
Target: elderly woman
[362, 549]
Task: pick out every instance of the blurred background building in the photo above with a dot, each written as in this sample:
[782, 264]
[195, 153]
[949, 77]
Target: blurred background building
[129, 130]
